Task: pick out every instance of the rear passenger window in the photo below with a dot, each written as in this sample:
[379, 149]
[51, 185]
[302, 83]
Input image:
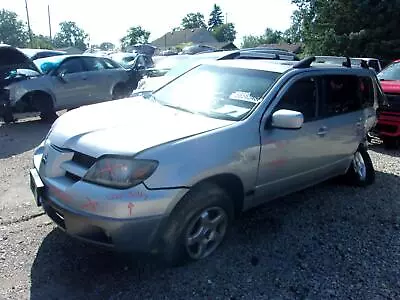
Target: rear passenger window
[302, 97]
[366, 92]
[341, 95]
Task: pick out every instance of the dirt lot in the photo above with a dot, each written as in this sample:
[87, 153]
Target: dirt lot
[331, 241]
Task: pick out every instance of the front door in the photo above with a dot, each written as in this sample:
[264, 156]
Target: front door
[70, 84]
[293, 159]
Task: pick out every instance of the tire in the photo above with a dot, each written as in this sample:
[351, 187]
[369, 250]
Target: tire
[391, 142]
[8, 117]
[120, 91]
[361, 172]
[204, 202]
[44, 104]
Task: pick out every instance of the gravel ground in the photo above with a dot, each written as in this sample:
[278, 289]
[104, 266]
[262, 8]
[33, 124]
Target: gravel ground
[330, 241]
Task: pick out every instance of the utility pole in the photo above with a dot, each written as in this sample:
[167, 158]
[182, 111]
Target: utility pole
[226, 18]
[29, 23]
[48, 12]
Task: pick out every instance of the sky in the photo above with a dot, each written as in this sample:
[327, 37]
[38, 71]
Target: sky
[108, 21]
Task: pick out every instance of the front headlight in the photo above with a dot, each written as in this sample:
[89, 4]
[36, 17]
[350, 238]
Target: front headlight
[120, 173]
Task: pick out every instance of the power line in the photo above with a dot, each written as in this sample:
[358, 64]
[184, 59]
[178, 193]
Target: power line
[29, 23]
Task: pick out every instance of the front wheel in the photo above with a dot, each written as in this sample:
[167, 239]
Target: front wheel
[361, 172]
[198, 225]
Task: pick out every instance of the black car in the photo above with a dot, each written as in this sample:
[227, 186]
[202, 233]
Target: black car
[135, 63]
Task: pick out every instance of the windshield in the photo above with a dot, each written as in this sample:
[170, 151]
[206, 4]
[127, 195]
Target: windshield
[391, 72]
[219, 92]
[47, 64]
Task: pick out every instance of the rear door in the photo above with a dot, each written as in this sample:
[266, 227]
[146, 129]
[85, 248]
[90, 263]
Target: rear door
[99, 79]
[343, 117]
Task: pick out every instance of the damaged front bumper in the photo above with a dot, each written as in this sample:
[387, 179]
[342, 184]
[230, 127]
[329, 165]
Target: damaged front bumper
[5, 103]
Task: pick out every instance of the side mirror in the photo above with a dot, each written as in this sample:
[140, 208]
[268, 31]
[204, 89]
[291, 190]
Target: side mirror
[61, 76]
[287, 119]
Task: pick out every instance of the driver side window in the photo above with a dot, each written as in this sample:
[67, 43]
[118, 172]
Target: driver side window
[302, 97]
[70, 66]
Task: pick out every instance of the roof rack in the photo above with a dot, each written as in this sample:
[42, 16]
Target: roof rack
[304, 63]
[347, 63]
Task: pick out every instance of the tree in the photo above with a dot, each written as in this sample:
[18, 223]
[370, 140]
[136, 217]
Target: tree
[356, 28]
[270, 36]
[193, 21]
[135, 35]
[225, 32]
[42, 42]
[105, 46]
[12, 30]
[216, 19]
[70, 35]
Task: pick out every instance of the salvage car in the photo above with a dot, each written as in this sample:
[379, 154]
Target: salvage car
[55, 83]
[167, 174]
[388, 123]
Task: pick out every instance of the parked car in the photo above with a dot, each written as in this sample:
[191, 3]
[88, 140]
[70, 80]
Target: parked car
[388, 123]
[373, 63]
[58, 82]
[41, 53]
[194, 49]
[169, 173]
[137, 65]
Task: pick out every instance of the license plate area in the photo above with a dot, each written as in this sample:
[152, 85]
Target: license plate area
[37, 186]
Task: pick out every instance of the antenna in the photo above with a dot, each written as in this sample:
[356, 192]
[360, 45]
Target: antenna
[304, 63]
[347, 63]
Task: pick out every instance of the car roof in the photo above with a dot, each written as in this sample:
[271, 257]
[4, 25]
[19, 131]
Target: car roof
[254, 64]
[281, 66]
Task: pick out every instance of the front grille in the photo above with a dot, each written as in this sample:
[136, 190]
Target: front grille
[83, 160]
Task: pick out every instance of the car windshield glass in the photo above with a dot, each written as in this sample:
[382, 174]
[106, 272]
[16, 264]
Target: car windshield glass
[48, 63]
[391, 72]
[219, 92]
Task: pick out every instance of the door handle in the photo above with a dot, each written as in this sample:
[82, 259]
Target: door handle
[84, 78]
[322, 131]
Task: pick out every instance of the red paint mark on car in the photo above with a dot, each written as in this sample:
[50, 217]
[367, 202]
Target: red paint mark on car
[130, 206]
[90, 205]
[60, 194]
[278, 162]
[128, 195]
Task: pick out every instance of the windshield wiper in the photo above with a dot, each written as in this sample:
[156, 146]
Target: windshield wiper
[177, 107]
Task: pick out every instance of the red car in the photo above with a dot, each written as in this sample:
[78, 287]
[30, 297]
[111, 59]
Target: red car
[388, 123]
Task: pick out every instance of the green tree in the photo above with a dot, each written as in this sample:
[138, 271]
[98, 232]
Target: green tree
[70, 35]
[135, 35]
[270, 36]
[105, 46]
[356, 28]
[193, 21]
[216, 18]
[225, 32]
[12, 30]
[42, 42]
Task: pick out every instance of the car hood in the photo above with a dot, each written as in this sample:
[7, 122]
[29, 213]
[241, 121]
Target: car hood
[126, 127]
[390, 86]
[11, 57]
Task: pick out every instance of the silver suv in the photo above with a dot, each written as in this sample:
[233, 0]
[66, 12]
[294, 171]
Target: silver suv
[167, 174]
